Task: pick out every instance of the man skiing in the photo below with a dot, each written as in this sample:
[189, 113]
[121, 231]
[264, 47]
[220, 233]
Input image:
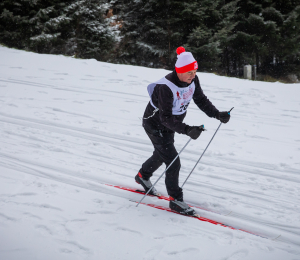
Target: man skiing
[164, 115]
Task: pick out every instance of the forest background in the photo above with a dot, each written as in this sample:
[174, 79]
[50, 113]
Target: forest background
[223, 35]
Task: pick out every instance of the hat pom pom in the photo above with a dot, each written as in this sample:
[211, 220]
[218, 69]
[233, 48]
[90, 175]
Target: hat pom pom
[180, 50]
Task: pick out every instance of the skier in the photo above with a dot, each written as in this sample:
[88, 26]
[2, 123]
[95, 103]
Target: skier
[164, 114]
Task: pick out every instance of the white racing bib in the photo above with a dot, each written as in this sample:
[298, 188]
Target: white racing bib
[181, 96]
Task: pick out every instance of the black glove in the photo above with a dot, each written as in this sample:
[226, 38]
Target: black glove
[194, 131]
[223, 116]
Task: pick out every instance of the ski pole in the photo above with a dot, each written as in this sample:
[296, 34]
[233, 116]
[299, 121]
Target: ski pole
[204, 150]
[164, 172]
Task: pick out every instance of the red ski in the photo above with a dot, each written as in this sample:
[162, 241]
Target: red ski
[160, 197]
[169, 210]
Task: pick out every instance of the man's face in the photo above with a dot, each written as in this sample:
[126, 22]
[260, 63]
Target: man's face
[187, 76]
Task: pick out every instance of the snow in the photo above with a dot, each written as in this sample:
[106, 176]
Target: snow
[68, 127]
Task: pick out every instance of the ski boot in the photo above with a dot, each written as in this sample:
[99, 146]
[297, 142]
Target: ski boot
[146, 183]
[181, 207]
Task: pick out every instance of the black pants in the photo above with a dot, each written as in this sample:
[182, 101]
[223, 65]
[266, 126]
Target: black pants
[164, 152]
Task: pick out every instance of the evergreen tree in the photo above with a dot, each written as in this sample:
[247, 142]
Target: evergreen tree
[287, 52]
[15, 21]
[89, 34]
[210, 39]
[152, 30]
[266, 35]
[223, 35]
[50, 28]
[73, 27]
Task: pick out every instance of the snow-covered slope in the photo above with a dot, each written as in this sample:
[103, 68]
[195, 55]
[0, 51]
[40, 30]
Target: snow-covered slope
[69, 126]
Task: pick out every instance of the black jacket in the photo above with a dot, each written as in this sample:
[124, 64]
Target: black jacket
[162, 98]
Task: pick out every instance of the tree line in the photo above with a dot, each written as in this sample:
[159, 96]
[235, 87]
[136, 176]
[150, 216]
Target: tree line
[223, 35]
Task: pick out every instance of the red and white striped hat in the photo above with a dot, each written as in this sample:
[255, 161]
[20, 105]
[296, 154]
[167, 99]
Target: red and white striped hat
[185, 61]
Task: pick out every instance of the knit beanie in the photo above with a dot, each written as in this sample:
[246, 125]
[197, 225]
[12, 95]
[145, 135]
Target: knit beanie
[185, 61]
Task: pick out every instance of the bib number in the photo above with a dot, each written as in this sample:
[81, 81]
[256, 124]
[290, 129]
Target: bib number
[184, 107]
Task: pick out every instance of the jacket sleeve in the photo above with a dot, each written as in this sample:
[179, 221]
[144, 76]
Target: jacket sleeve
[202, 101]
[165, 104]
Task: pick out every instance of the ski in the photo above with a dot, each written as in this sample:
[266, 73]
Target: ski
[161, 197]
[144, 192]
[169, 210]
[167, 199]
[196, 216]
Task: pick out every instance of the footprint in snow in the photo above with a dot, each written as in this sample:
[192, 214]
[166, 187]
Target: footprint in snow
[45, 69]
[224, 238]
[32, 216]
[103, 212]
[46, 206]
[187, 250]
[98, 201]
[74, 247]
[95, 100]
[57, 79]
[5, 217]
[79, 220]
[24, 194]
[44, 230]
[26, 98]
[295, 111]
[128, 230]
[116, 80]
[237, 255]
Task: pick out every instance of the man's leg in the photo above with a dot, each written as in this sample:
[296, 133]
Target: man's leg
[167, 153]
[151, 165]
[164, 152]
[148, 168]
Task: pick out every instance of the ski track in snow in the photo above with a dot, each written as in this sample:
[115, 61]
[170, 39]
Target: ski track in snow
[68, 127]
